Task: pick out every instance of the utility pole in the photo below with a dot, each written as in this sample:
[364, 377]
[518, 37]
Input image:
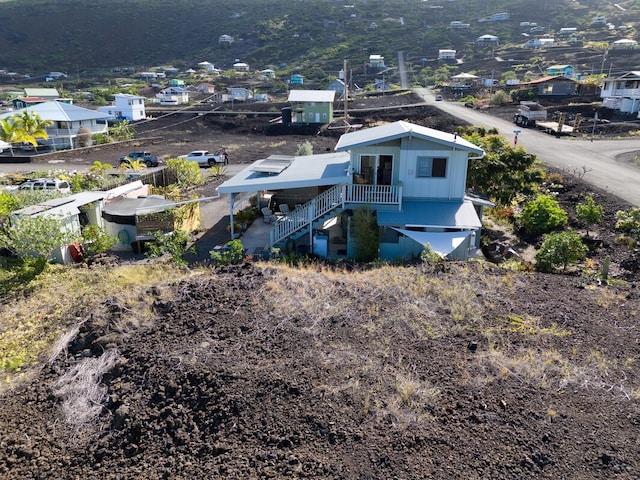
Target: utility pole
[346, 92]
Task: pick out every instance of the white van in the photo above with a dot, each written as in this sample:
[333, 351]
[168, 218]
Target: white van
[48, 184]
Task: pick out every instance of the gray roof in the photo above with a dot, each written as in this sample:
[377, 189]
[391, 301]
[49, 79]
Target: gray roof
[431, 213]
[311, 96]
[60, 112]
[61, 207]
[397, 130]
[306, 171]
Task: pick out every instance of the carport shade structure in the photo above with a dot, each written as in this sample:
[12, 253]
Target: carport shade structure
[280, 173]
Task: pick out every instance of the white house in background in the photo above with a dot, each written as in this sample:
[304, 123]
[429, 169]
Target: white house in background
[125, 107]
[413, 178]
[241, 67]
[446, 54]
[624, 44]
[173, 96]
[209, 68]
[539, 43]
[487, 41]
[622, 93]
[67, 121]
[240, 94]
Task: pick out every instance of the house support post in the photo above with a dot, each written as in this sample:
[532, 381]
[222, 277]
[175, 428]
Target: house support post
[231, 203]
[312, 213]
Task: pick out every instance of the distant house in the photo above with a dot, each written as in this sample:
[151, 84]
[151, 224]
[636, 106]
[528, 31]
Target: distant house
[624, 44]
[487, 41]
[381, 86]
[205, 87]
[376, 61]
[622, 93]
[458, 25]
[241, 67]
[240, 94]
[567, 31]
[551, 86]
[296, 79]
[125, 107]
[311, 106]
[67, 121]
[173, 96]
[445, 54]
[46, 93]
[539, 43]
[410, 177]
[464, 81]
[176, 82]
[24, 102]
[208, 68]
[56, 75]
[268, 74]
[496, 17]
[337, 86]
[564, 70]
[225, 40]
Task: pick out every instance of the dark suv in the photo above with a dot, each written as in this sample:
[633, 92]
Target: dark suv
[144, 157]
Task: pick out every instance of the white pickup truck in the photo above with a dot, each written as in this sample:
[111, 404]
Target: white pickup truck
[204, 158]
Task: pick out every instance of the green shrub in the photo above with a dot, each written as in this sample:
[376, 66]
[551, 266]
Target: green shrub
[96, 240]
[542, 215]
[231, 256]
[560, 248]
[187, 173]
[173, 243]
[629, 222]
[365, 235]
[589, 212]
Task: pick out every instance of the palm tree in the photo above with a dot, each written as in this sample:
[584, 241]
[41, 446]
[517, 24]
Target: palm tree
[122, 130]
[33, 126]
[11, 132]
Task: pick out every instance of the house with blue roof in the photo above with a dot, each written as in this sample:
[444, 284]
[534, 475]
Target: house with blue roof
[411, 177]
[67, 120]
[173, 96]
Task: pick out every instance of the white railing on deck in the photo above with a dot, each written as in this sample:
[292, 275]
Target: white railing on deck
[329, 200]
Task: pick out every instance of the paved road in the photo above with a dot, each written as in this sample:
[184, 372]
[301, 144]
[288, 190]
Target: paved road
[597, 158]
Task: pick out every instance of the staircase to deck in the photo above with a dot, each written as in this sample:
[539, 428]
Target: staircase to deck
[330, 203]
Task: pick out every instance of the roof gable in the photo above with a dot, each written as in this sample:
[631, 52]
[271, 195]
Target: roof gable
[311, 96]
[61, 112]
[399, 130]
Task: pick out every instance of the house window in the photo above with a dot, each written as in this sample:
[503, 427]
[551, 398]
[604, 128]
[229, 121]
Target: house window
[431, 167]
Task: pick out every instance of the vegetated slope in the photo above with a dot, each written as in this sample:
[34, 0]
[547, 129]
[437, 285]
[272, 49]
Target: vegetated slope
[459, 370]
[79, 36]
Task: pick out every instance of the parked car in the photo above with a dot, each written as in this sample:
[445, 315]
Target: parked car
[49, 184]
[145, 157]
[204, 158]
[438, 98]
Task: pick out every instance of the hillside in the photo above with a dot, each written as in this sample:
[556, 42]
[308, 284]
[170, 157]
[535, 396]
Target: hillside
[88, 39]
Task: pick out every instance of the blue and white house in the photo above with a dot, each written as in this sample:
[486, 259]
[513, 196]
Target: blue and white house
[67, 120]
[412, 177]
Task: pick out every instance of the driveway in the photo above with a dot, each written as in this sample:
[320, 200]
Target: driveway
[597, 161]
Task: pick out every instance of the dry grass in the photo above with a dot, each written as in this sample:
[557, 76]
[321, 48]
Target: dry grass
[31, 323]
[80, 389]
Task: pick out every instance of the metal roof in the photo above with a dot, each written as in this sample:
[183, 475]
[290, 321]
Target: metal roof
[397, 130]
[60, 112]
[306, 171]
[432, 214]
[311, 96]
[61, 207]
